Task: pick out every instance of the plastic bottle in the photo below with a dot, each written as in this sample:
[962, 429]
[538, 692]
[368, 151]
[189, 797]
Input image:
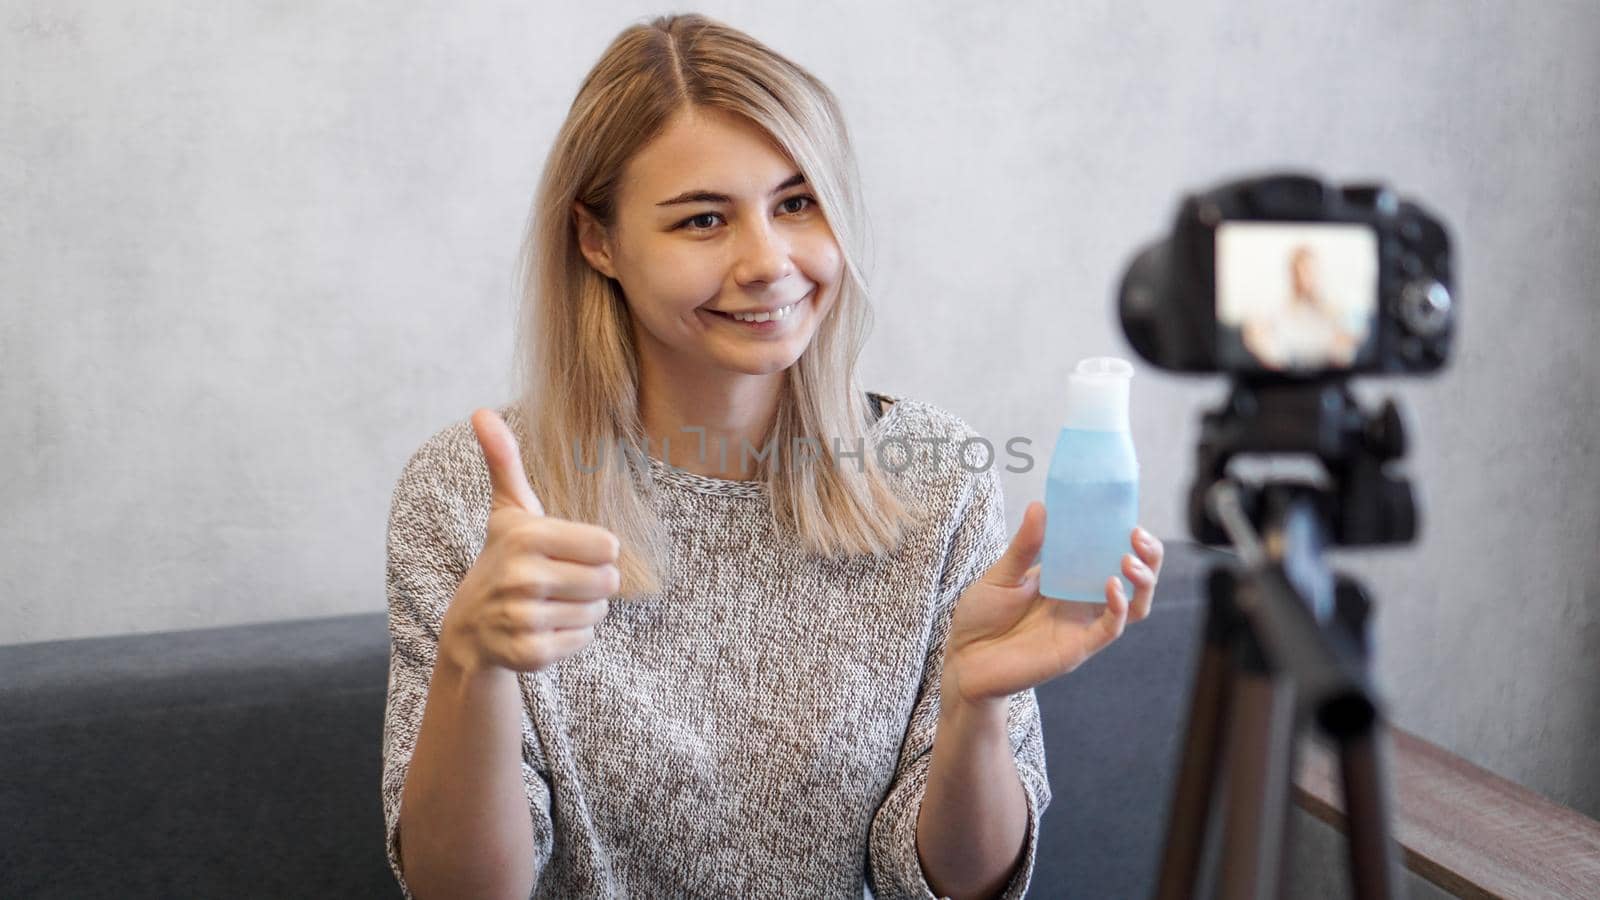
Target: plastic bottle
[1092, 495]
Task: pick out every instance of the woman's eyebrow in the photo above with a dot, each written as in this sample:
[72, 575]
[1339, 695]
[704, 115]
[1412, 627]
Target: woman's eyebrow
[705, 196]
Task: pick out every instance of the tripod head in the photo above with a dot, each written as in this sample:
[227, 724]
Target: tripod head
[1364, 505]
[1302, 619]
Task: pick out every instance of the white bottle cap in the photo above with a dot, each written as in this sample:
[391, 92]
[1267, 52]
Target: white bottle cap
[1097, 394]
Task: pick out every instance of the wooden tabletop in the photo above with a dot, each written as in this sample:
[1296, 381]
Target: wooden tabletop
[1464, 828]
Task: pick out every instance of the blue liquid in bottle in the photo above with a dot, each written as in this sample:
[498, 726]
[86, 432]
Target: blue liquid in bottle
[1091, 498]
[1091, 507]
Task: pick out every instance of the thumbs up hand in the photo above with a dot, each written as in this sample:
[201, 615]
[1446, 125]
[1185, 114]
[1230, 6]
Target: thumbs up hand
[1006, 637]
[540, 584]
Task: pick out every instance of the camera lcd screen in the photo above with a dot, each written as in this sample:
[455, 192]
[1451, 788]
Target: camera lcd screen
[1294, 296]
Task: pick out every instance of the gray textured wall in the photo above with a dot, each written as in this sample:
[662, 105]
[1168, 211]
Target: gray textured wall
[252, 254]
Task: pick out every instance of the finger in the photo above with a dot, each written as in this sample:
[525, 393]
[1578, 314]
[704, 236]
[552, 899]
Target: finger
[507, 478]
[1144, 586]
[1012, 567]
[547, 616]
[1149, 548]
[553, 579]
[1110, 624]
[538, 649]
[577, 542]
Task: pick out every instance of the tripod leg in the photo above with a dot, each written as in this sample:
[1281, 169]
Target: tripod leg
[1286, 842]
[1198, 768]
[1260, 750]
[1363, 770]
[1374, 859]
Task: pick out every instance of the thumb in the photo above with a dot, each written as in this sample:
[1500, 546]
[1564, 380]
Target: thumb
[507, 479]
[1012, 567]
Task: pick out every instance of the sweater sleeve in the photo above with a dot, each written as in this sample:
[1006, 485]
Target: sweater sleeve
[893, 868]
[427, 557]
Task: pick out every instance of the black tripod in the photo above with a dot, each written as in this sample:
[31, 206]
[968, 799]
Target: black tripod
[1285, 640]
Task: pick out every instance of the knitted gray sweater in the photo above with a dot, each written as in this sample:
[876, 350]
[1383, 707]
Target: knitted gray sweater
[762, 726]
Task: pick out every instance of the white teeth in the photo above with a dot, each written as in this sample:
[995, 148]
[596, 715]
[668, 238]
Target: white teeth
[767, 317]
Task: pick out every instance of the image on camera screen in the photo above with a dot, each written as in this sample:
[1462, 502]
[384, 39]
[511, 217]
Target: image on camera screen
[1292, 296]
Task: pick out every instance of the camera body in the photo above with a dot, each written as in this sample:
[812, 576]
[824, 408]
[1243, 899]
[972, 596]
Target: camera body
[1285, 278]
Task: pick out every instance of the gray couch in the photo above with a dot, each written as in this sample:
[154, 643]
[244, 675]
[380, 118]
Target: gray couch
[243, 762]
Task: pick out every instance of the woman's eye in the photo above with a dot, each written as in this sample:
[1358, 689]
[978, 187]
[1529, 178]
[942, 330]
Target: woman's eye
[810, 201]
[690, 222]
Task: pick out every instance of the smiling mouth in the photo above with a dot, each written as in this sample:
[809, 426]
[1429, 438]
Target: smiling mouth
[781, 314]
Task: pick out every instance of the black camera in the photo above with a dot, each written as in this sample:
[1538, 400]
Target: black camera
[1286, 278]
[1289, 286]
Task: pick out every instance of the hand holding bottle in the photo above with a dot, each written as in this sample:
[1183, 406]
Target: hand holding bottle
[1006, 637]
[540, 584]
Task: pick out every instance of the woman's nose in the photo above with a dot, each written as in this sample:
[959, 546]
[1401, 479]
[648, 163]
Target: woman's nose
[763, 256]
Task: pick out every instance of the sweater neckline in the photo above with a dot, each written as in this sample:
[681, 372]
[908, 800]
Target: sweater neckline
[728, 487]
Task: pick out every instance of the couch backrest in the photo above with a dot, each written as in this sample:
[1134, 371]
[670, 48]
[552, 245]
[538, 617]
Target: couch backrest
[231, 762]
[244, 761]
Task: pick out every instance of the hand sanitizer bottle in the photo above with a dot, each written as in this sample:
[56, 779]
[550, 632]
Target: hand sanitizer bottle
[1092, 495]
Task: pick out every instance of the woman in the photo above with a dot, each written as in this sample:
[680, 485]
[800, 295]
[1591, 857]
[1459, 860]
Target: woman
[1302, 332]
[817, 677]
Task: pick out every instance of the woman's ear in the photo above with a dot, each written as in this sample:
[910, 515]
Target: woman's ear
[592, 240]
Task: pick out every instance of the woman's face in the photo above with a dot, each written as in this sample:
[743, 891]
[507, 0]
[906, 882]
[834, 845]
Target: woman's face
[713, 219]
[1304, 274]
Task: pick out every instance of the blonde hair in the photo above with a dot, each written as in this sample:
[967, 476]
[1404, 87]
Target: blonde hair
[576, 358]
